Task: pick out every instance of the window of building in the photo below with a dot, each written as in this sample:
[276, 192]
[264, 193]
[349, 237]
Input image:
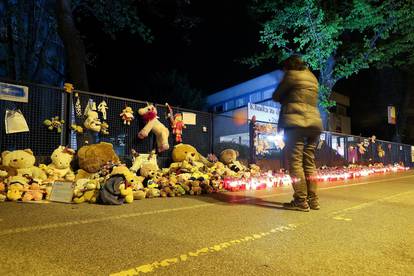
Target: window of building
[229, 105]
[255, 97]
[340, 109]
[240, 102]
[219, 108]
[267, 94]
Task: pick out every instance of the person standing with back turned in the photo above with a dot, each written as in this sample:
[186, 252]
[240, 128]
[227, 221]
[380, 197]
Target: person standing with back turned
[301, 120]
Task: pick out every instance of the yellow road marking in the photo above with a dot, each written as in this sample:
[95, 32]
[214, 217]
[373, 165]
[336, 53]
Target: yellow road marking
[151, 267]
[87, 221]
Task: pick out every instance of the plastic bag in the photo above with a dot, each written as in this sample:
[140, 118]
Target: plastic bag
[15, 122]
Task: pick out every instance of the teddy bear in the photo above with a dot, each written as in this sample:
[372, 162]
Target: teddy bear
[118, 187]
[132, 185]
[148, 170]
[16, 186]
[60, 168]
[5, 172]
[3, 176]
[229, 158]
[23, 161]
[140, 194]
[3, 193]
[149, 114]
[165, 186]
[186, 158]
[92, 158]
[92, 122]
[195, 188]
[254, 170]
[104, 128]
[86, 190]
[34, 192]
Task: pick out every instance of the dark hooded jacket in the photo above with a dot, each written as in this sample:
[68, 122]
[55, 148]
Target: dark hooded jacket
[298, 95]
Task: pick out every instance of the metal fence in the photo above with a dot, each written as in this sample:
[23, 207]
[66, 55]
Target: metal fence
[211, 134]
[334, 149]
[46, 102]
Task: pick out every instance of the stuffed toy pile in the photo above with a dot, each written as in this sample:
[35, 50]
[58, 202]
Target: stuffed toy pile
[103, 179]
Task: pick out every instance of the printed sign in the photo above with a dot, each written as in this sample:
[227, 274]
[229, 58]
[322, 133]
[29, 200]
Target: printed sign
[15, 93]
[263, 113]
[392, 117]
[62, 192]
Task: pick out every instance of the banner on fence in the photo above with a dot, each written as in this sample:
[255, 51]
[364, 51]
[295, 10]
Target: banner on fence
[15, 93]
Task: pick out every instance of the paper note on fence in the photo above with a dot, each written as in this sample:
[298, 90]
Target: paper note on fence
[189, 118]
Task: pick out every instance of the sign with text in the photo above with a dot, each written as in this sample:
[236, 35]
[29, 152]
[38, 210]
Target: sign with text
[15, 93]
[263, 113]
[392, 115]
[62, 191]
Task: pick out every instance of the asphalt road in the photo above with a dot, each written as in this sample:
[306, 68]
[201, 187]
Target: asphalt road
[365, 227]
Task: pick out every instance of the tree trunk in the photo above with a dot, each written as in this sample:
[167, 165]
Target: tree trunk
[75, 50]
[328, 83]
[327, 80]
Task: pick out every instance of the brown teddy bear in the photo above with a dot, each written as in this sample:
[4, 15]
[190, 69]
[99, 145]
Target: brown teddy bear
[186, 157]
[229, 158]
[92, 158]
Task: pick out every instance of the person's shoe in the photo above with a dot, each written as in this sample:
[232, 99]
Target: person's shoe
[314, 205]
[294, 205]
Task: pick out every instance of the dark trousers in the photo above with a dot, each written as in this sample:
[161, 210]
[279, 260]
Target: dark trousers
[300, 150]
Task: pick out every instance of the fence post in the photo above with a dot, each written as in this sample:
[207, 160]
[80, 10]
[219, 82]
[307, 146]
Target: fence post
[65, 115]
[252, 136]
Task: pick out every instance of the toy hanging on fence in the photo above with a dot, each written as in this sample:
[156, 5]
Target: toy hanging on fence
[104, 128]
[91, 106]
[103, 107]
[68, 87]
[127, 115]
[92, 122]
[361, 148]
[76, 128]
[54, 123]
[177, 124]
[381, 152]
[78, 107]
[352, 154]
[149, 114]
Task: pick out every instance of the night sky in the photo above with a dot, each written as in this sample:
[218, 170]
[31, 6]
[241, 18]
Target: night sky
[224, 34]
[208, 55]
